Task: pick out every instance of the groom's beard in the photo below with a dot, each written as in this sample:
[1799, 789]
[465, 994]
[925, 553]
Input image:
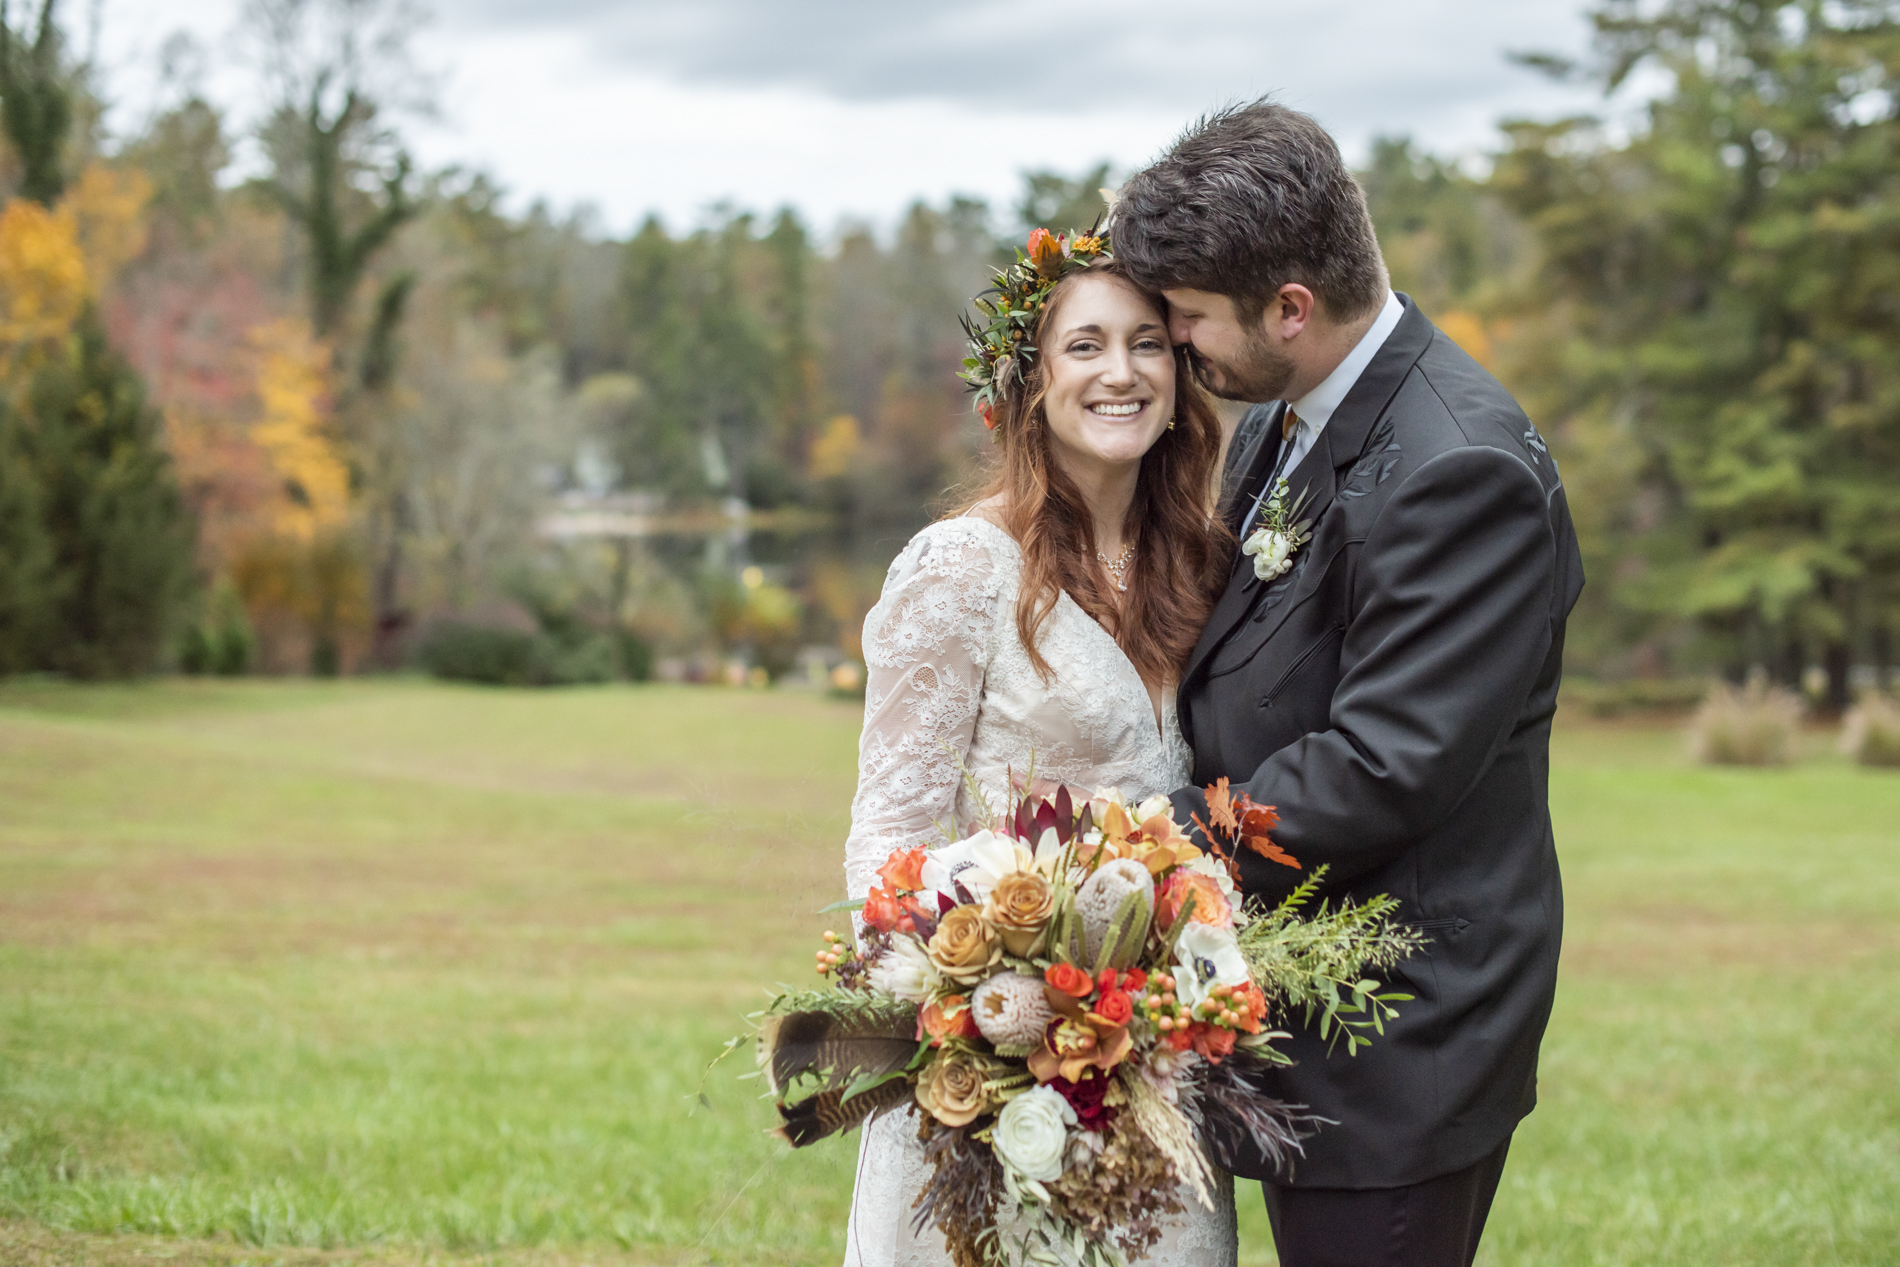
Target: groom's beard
[1261, 375]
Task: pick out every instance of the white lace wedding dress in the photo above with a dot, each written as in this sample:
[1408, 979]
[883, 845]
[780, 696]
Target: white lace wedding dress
[950, 682]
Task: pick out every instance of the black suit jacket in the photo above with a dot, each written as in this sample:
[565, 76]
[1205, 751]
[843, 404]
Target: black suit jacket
[1392, 696]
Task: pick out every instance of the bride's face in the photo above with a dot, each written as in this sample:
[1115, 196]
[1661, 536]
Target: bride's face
[1111, 375]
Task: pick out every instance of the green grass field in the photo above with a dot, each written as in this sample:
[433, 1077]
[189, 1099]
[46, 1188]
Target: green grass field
[395, 972]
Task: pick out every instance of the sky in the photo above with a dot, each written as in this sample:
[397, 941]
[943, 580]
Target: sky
[852, 109]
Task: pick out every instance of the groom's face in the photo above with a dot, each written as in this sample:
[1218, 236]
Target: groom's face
[1232, 359]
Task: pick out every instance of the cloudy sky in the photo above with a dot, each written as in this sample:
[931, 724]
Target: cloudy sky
[856, 107]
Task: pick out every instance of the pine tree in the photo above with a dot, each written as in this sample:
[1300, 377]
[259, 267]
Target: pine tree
[1718, 291]
[80, 453]
[121, 548]
[26, 553]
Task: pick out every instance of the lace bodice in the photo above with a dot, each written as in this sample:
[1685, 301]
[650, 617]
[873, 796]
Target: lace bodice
[951, 689]
[949, 683]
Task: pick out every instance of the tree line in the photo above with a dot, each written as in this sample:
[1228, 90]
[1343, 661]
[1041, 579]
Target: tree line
[289, 421]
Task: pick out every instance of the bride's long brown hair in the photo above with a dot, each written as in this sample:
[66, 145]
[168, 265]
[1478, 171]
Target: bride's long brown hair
[1181, 547]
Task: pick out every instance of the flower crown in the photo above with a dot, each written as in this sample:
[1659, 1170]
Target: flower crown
[1000, 351]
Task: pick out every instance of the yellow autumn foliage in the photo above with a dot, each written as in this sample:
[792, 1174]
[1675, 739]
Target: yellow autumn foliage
[52, 260]
[293, 389]
[108, 209]
[43, 284]
[836, 449]
[1468, 332]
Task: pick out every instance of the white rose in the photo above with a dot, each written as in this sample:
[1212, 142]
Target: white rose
[1032, 1132]
[1204, 958]
[905, 971]
[1156, 804]
[976, 862]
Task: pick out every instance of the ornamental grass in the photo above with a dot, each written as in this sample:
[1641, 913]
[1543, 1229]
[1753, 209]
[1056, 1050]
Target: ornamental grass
[1872, 733]
[1754, 725]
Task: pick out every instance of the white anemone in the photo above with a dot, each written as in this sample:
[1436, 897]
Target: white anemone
[1204, 958]
[976, 862]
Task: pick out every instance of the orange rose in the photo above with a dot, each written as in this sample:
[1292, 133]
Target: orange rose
[881, 910]
[903, 870]
[1210, 904]
[1252, 1006]
[948, 1017]
[1213, 1042]
[1115, 1007]
[1069, 979]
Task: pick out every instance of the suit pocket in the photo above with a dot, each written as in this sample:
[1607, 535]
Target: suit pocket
[1330, 640]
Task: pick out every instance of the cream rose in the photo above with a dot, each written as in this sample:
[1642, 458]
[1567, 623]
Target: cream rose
[964, 946]
[1019, 907]
[1032, 1132]
[951, 1088]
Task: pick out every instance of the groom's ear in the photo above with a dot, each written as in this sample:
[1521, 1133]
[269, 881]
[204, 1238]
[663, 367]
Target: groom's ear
[1290, 311]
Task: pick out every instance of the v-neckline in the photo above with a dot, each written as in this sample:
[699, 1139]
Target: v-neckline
[1160, 713]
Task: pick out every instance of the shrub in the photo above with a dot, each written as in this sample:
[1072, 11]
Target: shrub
[1634, 695]
[636, 657]
[1754, 725]
[1872, 734]
[222, 642]
[462, 652]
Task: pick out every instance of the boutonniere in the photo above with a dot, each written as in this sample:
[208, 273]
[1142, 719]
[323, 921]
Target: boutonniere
[1279, 536]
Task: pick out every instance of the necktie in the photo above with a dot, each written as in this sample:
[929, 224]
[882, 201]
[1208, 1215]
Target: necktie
[1289, 427]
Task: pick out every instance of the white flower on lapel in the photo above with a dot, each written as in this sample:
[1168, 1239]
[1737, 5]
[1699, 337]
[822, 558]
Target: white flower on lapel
[1272, 553]
[1274, 543]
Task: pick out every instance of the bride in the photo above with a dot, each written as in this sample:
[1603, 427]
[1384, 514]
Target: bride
[1046, 624]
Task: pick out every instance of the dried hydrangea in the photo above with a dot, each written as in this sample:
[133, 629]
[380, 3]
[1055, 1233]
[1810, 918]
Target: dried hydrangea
[1127, 1197]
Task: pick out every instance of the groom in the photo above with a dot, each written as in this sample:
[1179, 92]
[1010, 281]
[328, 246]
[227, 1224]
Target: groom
[1391, 693]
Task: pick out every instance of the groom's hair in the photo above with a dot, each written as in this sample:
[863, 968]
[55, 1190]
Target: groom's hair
[1249, 199]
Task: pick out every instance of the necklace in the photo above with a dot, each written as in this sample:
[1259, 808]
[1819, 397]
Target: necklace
[1118, 566]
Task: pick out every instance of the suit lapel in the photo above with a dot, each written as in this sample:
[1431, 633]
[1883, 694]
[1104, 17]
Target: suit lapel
[1318, 480]
[1314, 476]
[1253, 466]
[1247, 476]
[1341, 443]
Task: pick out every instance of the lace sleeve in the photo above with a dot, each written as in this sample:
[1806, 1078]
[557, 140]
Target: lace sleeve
[927, 645]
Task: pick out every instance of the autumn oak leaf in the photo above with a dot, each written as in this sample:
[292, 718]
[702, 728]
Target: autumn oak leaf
[1272, 852]
[1220, 806]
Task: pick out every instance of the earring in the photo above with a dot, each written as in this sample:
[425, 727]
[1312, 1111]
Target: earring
[1170, 422]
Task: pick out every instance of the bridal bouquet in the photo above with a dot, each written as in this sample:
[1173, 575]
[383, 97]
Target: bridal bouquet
[1071, 1002]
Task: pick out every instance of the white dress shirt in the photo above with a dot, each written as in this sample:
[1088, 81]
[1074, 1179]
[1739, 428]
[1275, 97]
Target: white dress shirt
[1316, 408]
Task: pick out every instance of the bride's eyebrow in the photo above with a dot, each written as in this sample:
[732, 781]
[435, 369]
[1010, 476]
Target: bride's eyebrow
[1143, 328]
